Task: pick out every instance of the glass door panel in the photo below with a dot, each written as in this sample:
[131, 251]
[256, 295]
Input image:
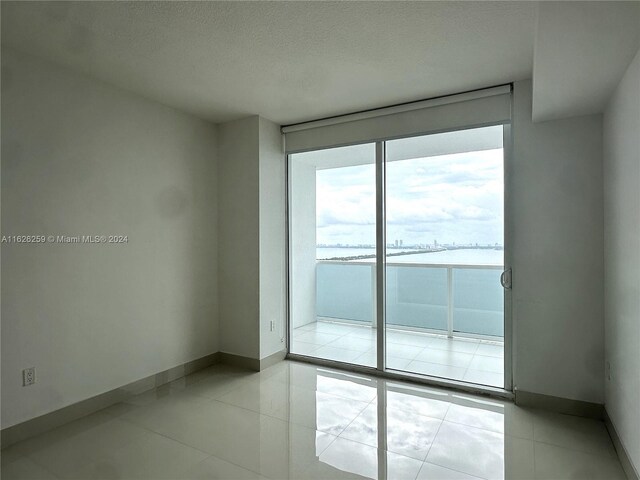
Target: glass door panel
[444, 255]
[332, 243]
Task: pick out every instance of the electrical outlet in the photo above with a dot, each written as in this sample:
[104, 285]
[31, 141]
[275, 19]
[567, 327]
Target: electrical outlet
[272, 325]
[28, 376]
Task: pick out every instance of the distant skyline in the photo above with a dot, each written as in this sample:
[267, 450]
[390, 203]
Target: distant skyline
[448, 198]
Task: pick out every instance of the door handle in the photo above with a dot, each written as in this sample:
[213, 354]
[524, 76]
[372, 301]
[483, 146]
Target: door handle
[505, 279]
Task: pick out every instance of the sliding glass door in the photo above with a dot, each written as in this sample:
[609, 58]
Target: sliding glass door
[445, 254]
[332, 243]
[425, 286]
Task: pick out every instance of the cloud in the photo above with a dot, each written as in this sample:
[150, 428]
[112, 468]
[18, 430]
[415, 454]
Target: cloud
[345, 217]
[457, 198]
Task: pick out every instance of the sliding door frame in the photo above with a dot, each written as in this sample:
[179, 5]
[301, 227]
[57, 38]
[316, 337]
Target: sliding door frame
[507, 152]
[381, 257]
[287, 251]
[380, 293]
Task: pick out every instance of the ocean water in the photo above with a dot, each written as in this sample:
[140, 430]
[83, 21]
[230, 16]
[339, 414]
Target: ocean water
[467, 256]
[323, 253]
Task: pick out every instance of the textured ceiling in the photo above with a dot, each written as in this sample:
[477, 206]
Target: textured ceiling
[286, 61]
[582, 49]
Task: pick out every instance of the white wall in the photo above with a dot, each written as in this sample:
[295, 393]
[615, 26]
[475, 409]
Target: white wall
[303, 242]
[622, 258]
[239, 237]
[81, 157]
[556, 206]
[251, 237]
[272, 239]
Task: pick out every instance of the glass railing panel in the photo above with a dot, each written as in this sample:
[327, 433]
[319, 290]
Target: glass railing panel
[478, 301]
[417, 297]
[345, 291]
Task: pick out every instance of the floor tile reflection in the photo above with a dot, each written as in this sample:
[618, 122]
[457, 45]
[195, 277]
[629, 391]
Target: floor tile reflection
[299, 421]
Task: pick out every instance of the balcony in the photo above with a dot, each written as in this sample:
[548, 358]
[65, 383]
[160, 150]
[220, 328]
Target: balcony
[443, 320]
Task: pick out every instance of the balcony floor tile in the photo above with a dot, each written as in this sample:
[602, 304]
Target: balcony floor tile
[468, 359]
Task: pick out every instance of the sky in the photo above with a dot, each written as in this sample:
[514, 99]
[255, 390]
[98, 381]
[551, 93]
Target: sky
[454, 198]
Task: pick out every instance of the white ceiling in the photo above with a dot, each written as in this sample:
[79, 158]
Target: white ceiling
[582, 49]
[299, 61]
[286, 61]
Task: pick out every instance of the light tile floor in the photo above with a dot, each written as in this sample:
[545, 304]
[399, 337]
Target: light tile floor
[469, 360]
[298, 421]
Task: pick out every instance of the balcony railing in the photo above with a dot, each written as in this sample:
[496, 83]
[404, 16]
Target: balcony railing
[460, 300]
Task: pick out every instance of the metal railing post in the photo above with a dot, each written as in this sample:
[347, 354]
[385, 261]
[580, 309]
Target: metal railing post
[450, 302]
[374, 297]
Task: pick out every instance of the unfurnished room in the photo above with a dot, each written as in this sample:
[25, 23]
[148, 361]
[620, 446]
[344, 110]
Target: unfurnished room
[320, 240]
